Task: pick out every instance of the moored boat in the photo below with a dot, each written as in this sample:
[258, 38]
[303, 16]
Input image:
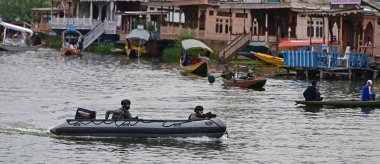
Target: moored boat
[214, 127]
[71, 41]
[16, 38]
[196, 64]
[342, 103]
[257, 82]
[137, 41]
[277, 61]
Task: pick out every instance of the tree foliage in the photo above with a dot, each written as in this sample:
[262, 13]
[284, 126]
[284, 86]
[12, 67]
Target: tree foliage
[11, 9]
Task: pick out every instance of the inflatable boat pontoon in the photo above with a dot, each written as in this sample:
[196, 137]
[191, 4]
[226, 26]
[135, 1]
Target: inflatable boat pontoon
[214, 128]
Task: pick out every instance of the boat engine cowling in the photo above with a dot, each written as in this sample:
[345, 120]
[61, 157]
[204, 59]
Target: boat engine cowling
[85, 114]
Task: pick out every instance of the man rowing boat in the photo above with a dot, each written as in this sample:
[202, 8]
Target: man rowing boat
[367, 92]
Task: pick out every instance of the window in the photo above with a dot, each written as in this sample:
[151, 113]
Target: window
[308, 31]
[241, 15]
[226, 28]
[211, 12]
[217, 27]
[317, 32]
[224, 14]
[220, 28]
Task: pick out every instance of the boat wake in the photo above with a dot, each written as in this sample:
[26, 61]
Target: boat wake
[25, 131]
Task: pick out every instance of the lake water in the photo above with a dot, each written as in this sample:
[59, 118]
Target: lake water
[39, 90]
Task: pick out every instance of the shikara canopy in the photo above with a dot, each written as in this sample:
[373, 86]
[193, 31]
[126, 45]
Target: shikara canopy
[297, 43]
[16, 28]
[138, 33]
[192, 43]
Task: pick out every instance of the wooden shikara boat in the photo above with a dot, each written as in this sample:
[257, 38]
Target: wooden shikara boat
[257, 82]
[137, 41]
[20, 48]
[16, 38]
[277, 61]
[194, 64]
[342, 103]
[71, 39]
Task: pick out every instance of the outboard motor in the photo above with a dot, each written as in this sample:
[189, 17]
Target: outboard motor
[85, 114]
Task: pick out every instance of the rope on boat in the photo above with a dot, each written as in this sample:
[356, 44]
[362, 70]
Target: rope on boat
[173, 124]
[124, 123]
[86, 122]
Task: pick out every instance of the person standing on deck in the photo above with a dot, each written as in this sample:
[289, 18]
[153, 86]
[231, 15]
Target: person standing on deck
[312, 92]
[367, 92]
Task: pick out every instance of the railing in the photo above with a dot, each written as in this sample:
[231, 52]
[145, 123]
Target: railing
[83, 23]
[229, 51]
[93, 35]
[308, 59]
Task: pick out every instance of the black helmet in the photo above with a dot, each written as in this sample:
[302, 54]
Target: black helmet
[125, 101]
[198, 108]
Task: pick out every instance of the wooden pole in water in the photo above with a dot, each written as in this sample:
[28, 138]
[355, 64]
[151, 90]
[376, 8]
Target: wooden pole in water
[311, 31]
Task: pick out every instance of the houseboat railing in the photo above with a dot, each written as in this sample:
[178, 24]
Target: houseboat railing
[311, 59]
[83, 23]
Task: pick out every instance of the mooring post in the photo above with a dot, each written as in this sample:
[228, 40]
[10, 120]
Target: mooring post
[307, 74]
[374, 74]
[287, 73]
[349, 74]
[321, 74]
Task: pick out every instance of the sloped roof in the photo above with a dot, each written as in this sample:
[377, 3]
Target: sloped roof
[192, 43]
[138, 33]
[16, 28]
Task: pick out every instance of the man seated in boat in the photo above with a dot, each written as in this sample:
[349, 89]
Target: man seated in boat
[37, 39]
[199, 115]
[121, 113]
[227, 73]
[367, 92]
[312, 92]
[251, 75]
[204, 58]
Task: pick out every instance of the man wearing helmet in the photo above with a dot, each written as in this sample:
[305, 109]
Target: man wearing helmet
[199, 115]
[123, 112]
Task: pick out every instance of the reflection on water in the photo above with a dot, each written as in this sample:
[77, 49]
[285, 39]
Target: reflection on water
[186, 143]
[311, 108]
[39, 90]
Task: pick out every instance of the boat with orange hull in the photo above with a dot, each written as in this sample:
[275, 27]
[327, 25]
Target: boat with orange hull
[257, 82]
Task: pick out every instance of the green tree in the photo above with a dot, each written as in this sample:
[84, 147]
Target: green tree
[11, 9]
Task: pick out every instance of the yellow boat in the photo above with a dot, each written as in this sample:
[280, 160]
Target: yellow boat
[277, 61]
[71, 39]
[198, 65]
[137, 41]
[200, 68]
